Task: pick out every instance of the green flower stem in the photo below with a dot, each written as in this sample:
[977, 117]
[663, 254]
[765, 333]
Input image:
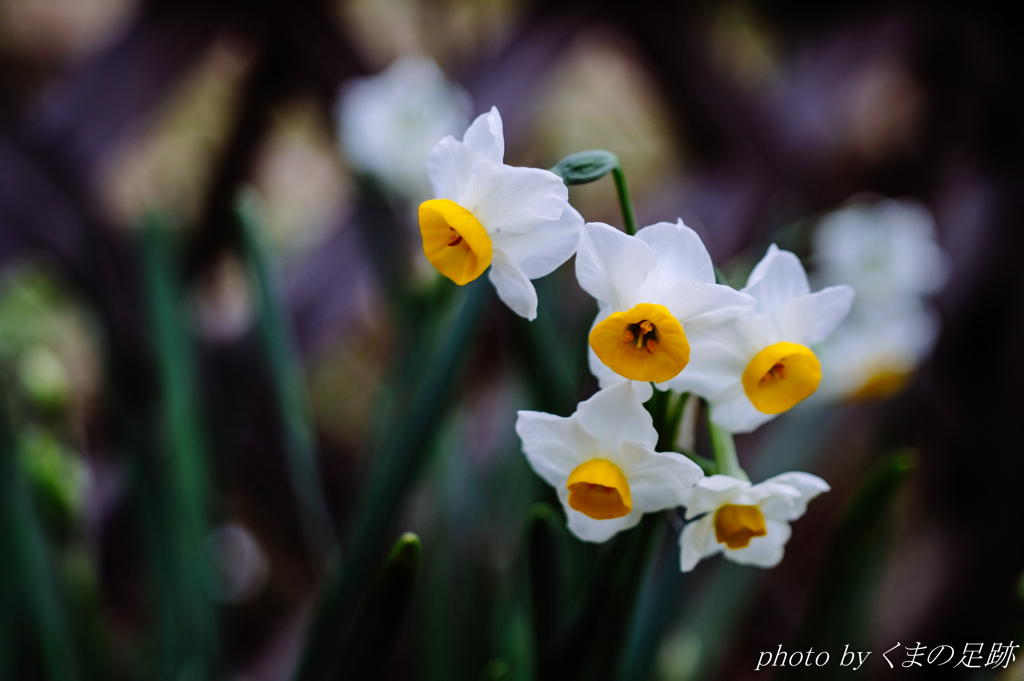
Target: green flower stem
[625, 202]
[585, 167]
[725, 451]
[707, 465]
[673, 422]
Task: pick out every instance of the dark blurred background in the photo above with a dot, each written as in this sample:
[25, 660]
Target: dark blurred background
[746, 119]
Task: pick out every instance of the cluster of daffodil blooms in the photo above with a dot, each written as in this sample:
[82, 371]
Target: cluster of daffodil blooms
[663, 324]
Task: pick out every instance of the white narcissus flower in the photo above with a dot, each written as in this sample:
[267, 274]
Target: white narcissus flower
[517, 221]
[888, 252]
[749, 523]
[763, 360]
[602, 463]
[657, 299]
[388, 123]
[874, 352]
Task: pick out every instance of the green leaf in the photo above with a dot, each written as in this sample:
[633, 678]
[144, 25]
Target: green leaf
[552, 370]
[25, 557]
[172, 473]
[841, 608]
[591, 649]
[585, 167]
[375, 629]
[286, 371]
[425, 385]
[543, 525]
[658, 604]
[495, 670]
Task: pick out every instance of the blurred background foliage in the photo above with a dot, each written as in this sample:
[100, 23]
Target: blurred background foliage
[229, 384]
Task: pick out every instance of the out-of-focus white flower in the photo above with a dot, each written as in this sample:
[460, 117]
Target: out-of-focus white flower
[749, 523]
[388, 123]
[601, 461]
[873, 353]
[657, 302]
[517, 221]
[763, 359]
[887, 251]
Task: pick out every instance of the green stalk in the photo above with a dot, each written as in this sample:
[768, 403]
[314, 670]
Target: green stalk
[673, 417]
[585, 167]
[625, 202]
[725, 451]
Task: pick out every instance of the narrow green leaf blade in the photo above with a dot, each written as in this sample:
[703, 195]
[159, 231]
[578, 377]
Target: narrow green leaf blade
[24, 553]
[375, 629]
[841, 606]
[293, 405]
[176, 474]
[541, 539]
[396, 464]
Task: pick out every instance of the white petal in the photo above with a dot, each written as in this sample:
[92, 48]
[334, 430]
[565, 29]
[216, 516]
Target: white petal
[810, 319]
[766, 551]
[513, 287]
[696, 542]
[733, 411]
[712, 492]
[721, 346]
[681, 256]
[450, 166]
[808, 486]
[539, 252]
[616, 415]
[687, 300]
[612, 266]
[553, 445]
[589, 529]
[486, 138]
[509, 200]
[766, 493]
[779, 277]
[659, 480]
